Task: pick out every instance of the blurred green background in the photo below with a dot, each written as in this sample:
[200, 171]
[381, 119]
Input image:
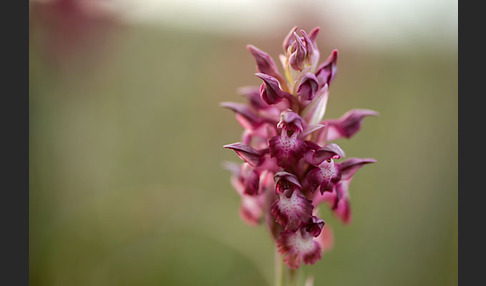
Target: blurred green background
[126, 136]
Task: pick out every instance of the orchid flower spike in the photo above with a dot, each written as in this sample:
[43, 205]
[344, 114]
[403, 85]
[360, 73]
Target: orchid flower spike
[288, 166]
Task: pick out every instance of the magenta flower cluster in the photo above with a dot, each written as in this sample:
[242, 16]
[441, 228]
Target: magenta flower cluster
[289, 165]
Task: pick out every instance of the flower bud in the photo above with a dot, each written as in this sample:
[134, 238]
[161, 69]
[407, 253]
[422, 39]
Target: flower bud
[311, 46]
[289, 39]
[270, 90]
[308, 87]
[297, 57]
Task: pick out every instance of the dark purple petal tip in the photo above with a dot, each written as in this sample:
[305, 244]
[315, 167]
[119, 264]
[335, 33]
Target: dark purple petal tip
[265, 63]
[327, 70]
[349, 124]
[351, 165]
[313, 34]
[247, 153]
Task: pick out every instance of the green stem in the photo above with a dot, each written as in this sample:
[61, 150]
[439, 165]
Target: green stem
[292, 277]
[279, 269]
[284, 276]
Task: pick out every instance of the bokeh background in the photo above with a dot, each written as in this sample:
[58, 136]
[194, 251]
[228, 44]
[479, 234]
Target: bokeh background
[126, 136]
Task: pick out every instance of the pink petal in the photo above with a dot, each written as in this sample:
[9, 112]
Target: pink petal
[329, 197]
[289, 39]
[291, 121]
[343, 211]
[342, 208]
[326, 238]
[292, 211]
[330, 151]
[258, 137]
[313, 35]
[251, 209]
[245, 178]
[310, 129]
[252, 182]
[315, 110]
[287, 150]
[323, 176]
[247, 118]
[296, 248]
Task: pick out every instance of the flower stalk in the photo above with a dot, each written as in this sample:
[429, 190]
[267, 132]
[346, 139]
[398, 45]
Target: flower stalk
[293, 277]
[279, 269]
